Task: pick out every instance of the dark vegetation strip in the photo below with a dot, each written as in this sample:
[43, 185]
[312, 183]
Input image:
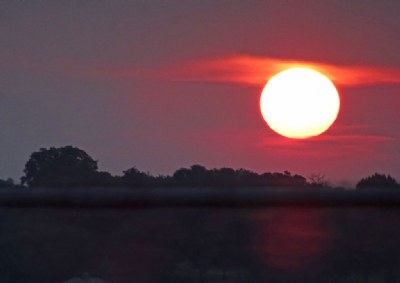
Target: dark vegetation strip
[72, 167]
[196, 197]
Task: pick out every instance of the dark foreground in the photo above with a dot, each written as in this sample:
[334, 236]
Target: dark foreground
[200, 235]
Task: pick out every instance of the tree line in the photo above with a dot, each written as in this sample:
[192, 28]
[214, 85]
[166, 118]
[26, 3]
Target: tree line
[69, 166]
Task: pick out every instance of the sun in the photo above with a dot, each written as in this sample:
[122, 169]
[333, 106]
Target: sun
[299, 103]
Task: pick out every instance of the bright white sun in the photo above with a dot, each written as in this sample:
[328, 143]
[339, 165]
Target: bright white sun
[299, 103]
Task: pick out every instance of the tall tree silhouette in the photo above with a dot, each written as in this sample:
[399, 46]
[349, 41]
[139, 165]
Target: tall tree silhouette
[66, 166]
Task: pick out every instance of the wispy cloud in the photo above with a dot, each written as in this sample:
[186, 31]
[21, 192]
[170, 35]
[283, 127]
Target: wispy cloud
[257, 70]
[328, 145]
[241, 69]
[338, 139]
[258, 138]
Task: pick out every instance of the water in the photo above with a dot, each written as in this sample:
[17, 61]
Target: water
[288, 243]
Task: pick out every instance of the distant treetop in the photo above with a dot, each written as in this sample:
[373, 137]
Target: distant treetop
[377, 181]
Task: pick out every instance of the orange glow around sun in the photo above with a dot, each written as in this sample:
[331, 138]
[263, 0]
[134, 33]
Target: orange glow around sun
[299, 103]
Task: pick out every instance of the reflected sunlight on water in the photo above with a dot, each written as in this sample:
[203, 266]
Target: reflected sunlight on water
[292, 239]
[285, 244]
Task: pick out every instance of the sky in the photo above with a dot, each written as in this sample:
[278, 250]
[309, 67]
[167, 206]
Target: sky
[161, 85]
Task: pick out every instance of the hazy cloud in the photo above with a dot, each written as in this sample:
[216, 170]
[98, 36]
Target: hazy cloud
[257, 70]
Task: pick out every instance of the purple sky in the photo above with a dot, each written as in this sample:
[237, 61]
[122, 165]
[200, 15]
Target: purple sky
[121, 80]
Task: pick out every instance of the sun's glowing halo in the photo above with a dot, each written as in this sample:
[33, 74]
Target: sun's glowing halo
[299, 103]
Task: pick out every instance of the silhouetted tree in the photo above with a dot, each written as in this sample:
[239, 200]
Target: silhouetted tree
[196, 175]
[247, 177]
[61, 167]
[134, 178]
[9, 183]
[105, 179]
[282, 180]
[377, 181]
[224, 177]
[318, 180]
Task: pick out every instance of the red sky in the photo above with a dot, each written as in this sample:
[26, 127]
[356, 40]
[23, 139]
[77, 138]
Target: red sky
[164, 84]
